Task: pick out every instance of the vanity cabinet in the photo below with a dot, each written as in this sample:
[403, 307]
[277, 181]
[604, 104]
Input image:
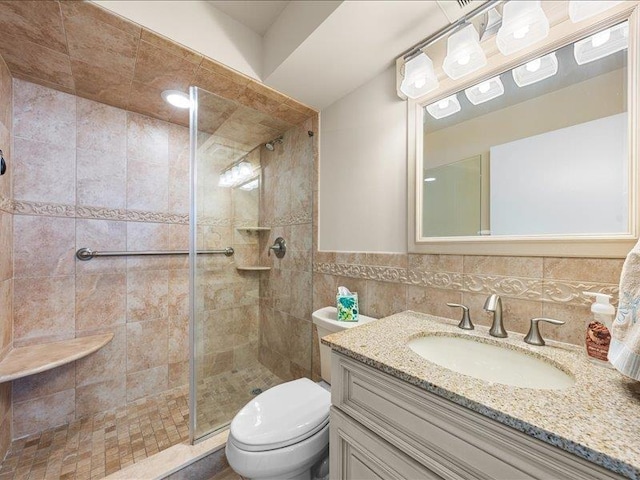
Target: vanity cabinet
[382, 427]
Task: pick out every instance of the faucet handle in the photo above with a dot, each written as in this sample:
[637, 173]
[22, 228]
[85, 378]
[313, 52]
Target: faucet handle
[465, 322]
[534, 337]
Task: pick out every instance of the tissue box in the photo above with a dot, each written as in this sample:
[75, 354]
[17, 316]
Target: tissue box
[347, 307]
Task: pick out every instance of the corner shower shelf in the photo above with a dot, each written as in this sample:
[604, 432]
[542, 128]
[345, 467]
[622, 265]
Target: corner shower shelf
[254, 229]
[23, 361]
[250, 268]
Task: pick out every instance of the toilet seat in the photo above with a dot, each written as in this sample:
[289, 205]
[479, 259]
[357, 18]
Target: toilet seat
[282, 416]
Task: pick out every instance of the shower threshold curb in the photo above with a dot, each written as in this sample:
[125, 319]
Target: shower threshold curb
[171, 460]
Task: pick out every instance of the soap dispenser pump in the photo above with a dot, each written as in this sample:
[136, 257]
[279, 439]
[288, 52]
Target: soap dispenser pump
[598, 335]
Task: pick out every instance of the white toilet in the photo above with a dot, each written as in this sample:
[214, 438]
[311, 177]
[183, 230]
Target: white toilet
[283, 433]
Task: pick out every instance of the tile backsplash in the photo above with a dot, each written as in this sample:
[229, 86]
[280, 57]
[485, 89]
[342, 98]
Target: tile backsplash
[529, 286]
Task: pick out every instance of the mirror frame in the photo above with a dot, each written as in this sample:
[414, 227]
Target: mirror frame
[562, 32]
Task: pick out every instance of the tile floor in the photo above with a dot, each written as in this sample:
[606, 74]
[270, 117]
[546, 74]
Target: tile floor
[97, 446]
[221, 396]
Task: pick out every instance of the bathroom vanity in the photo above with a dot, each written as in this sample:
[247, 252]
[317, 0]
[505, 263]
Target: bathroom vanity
[396, 415]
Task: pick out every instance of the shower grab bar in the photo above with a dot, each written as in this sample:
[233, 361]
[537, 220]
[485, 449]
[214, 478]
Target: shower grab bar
[87, 254]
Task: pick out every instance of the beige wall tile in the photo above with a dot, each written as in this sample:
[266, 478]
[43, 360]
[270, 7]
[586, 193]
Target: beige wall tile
[601, 270]
[398, 260]
[6, 246]
[6, 313]
[147, 382]
[6, 433]
[575, 328]
[435, 263]
[384, 299]
[43, 246]
[324, 290]
[107, 363]
[100, 301]
[44, 412]
[101, 127]
[100, 396]
[178, 293]
[179, 169]
[87, 37]
[45, 383]
[44, 308]
[301, 290]
[42, 25]
[178, 338]
[43, 115]
[300, 337]
[507, 266]
[147, 345]
[44, 172]
[102, 235]
[434, 301]
[147, 295]
[101, 179]
[178, 374]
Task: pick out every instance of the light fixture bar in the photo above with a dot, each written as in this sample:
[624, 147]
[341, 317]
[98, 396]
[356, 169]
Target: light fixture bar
[417, 48]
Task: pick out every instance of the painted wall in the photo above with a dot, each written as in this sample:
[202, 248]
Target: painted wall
[6, 251]
[362, 199]
[363, 152]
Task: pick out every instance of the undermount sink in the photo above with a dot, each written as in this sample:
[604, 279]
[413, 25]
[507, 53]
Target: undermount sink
[491, 363]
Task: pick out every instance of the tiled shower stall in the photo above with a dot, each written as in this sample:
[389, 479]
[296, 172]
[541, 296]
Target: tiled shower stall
[85, 170]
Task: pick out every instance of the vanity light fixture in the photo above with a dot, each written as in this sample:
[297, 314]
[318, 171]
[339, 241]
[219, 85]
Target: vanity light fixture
[464, 53]
[523, 24]
[580, 9]
[250, 185]
[485, 91]
[535, 70]
[235, 174]
[176, 98]
[419, 76]
[445, 107]
[601, 44]
[430, 179]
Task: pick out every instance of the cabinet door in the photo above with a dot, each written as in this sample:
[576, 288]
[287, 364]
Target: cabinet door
[358, 454]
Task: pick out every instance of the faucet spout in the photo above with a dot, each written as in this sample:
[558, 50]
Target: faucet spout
[493, 304]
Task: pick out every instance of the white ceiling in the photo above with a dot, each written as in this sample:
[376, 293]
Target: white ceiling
[315, 51]
[258, 15]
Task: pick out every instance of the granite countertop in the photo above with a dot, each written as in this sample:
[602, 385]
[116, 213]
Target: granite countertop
[598, 418]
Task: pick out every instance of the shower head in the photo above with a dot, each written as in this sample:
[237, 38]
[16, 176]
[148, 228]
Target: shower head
[272, 144]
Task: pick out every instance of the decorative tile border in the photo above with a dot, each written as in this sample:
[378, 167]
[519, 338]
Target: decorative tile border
[6, 205]
[553, 291]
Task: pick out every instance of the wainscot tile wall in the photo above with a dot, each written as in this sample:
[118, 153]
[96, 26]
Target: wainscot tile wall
[529, 286]
[6, 257]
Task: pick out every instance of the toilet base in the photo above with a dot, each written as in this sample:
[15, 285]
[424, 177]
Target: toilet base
[301, 461]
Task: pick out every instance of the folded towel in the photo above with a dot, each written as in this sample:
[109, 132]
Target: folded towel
[624, 351]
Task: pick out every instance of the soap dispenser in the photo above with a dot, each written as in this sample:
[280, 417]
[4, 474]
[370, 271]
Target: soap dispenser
[598, 335]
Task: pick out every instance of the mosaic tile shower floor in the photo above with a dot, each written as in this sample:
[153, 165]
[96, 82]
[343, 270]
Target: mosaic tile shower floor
[94, 447]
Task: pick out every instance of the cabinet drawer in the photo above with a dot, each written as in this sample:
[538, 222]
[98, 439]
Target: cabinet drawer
[358, 454]
[454, 442]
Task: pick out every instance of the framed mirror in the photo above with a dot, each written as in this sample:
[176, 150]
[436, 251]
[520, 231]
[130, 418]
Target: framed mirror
[535, 158]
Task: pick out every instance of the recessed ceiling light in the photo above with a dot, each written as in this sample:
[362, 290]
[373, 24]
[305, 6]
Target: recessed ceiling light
[176, 98]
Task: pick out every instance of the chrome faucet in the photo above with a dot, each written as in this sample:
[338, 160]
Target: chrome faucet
[465, 322]
[534, 337]
[493, 304]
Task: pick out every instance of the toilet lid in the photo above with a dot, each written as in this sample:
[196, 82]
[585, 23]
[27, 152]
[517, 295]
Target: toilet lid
[281, 416]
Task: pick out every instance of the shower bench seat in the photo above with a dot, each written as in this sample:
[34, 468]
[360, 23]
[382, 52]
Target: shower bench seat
[23, 361]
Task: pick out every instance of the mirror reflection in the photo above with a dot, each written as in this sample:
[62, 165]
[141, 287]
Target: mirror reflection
[538, 150]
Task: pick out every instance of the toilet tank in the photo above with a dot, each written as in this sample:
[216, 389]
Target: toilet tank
[326, 320]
